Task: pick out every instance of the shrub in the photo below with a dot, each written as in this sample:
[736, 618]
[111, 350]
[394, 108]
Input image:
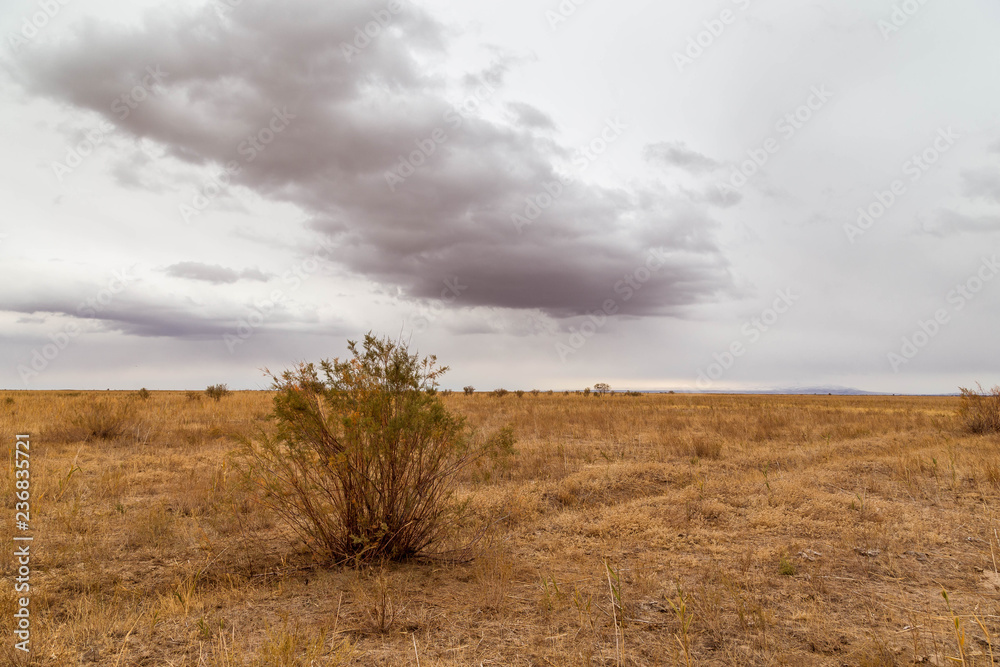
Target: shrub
[980, 410]
[143, 394]
[586, 392]
[520, 393]
[363, 458]
[217, 391]
[499, 393]
[469, 390]
[535, 392]
[192, 395]
[106, 418]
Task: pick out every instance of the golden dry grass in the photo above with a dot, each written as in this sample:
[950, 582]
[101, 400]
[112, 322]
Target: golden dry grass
[652, 530]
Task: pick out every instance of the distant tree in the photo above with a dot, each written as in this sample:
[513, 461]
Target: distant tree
[602, 388]
[469, 390]
[586, 391]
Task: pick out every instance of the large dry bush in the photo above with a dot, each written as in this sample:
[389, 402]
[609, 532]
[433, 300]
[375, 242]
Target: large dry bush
[980, 410]
[363, 458]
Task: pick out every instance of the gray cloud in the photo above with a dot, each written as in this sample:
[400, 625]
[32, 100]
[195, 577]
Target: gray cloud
[149, 316]
[948, 223]
[677, 154]
[982, 184]
[213, 273]
[530, 116]
[349, 121]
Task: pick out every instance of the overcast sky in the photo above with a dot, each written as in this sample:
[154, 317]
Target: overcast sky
[734, 194]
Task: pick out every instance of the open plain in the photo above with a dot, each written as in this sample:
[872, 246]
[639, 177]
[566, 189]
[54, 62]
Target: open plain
[665, 529]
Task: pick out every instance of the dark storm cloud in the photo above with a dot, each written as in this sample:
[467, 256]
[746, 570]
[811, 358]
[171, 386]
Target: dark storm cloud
[212, 273]
[677, 154]
[341, 114]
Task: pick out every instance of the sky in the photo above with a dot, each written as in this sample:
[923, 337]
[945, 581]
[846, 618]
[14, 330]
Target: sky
[721, 195]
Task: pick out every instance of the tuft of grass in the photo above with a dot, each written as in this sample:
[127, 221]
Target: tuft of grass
[979, 411]
[106, 418]
[786, 567]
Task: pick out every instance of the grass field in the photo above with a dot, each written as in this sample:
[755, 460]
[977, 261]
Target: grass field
[650, 530]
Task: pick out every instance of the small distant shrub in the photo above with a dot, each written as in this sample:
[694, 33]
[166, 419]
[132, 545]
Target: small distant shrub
[143, 394]
[549, 392]
[217, 391]
[535, 392]
[499, 393]
[8, 401]
[193, 395]
[106, 418]
[469, 390]
[520, 393]
[586, 392]
[633, 393]
[980, 410]
[786, 567]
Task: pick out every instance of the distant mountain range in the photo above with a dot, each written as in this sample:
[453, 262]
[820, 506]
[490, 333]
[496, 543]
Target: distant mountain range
[830, 390]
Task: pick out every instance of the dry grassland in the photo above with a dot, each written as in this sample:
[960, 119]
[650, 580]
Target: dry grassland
[652, 530]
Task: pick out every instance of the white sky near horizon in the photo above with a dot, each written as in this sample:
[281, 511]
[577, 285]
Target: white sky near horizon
[313, 220]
